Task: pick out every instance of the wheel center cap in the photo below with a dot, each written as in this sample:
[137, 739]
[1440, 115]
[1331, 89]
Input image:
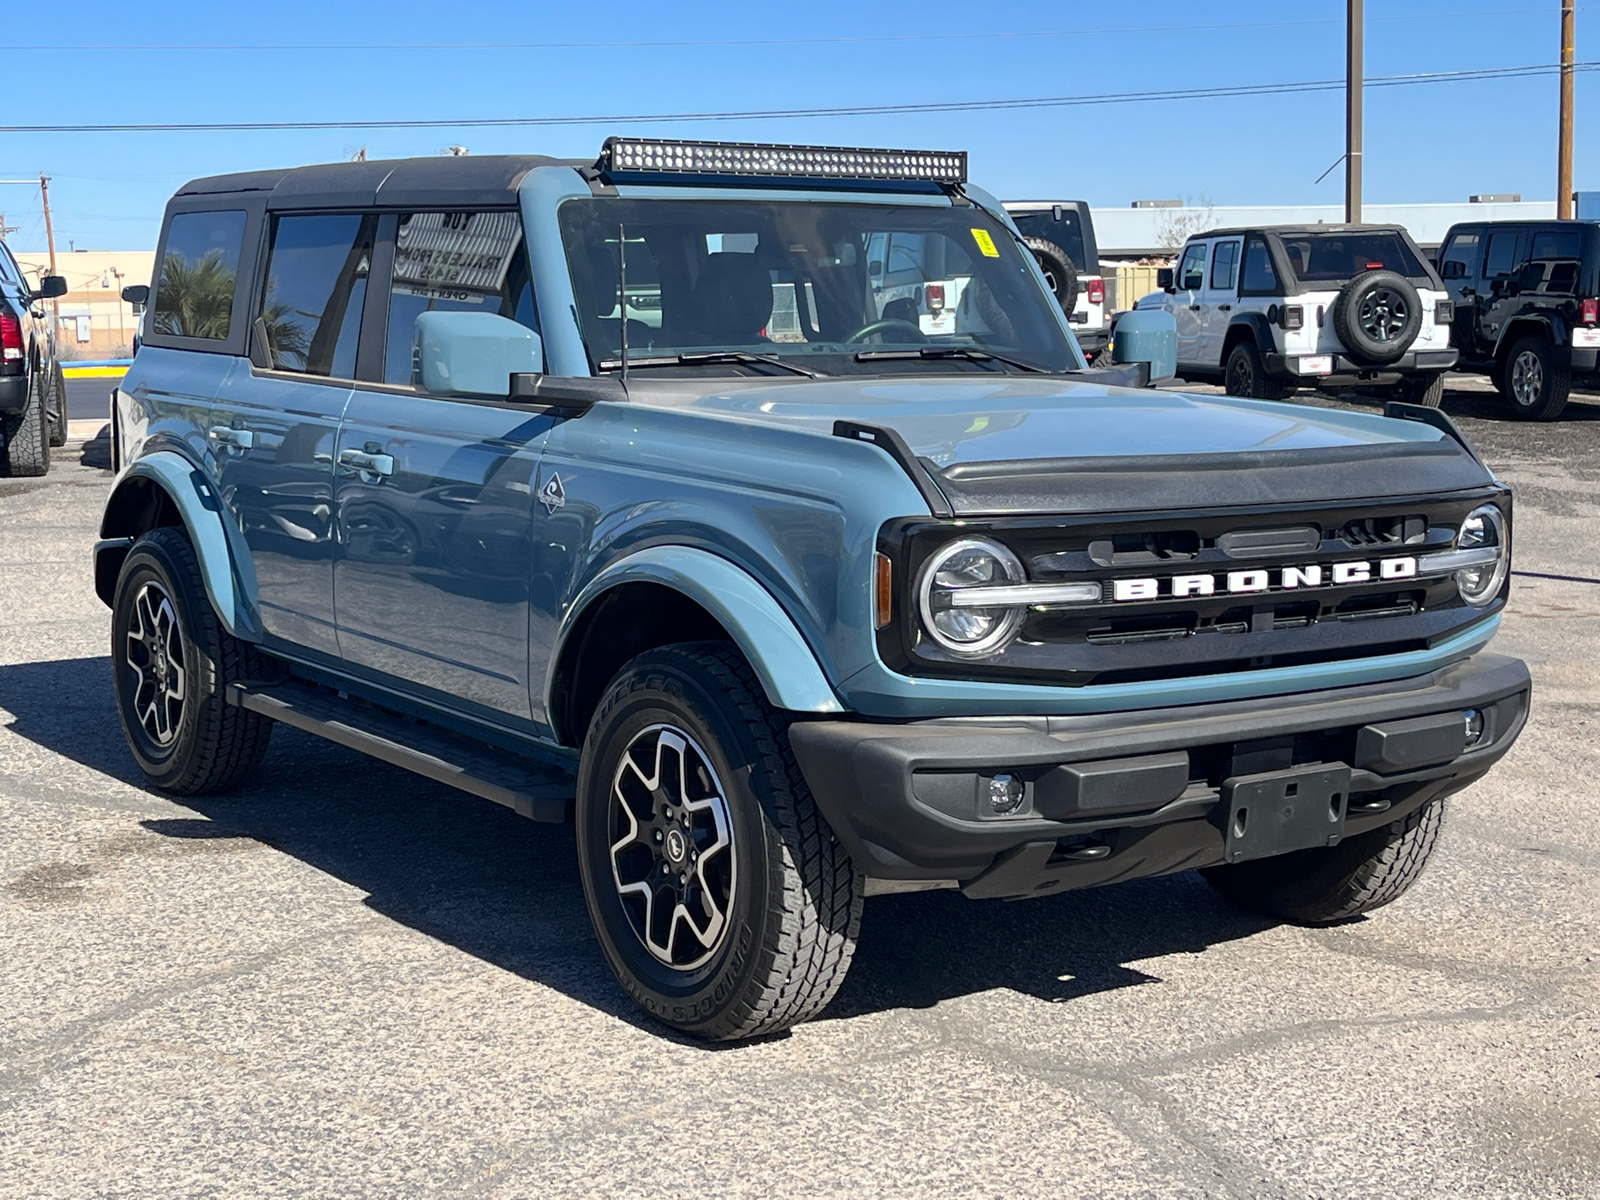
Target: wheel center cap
[677, 846]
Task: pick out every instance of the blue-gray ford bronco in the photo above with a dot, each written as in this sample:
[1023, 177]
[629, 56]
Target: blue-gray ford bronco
[754, 508]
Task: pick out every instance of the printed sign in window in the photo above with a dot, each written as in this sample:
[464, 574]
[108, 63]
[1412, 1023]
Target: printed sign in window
[461, 256]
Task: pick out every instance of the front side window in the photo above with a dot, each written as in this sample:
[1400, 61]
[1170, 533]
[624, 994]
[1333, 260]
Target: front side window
[844, 288]
[316, 286]
[1260, 278]
[1192, 270]
[199, 271]
[454, 262]
[1460, 257]
[1225, 266]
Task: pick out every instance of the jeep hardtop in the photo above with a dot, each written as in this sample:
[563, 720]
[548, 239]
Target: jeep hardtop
[631, 493]
[1267, 310]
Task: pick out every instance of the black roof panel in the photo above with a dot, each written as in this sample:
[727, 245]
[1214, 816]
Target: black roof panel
[387, 183]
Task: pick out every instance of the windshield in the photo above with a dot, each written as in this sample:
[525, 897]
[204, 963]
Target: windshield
[1318, 257]
[832, 288]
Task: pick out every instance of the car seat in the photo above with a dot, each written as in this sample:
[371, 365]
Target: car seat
[732, 300]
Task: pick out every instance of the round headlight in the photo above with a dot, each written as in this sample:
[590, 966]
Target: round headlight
[1484, 529]
[964, 628]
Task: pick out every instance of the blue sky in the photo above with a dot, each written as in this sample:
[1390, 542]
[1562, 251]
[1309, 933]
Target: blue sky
[1424, 143]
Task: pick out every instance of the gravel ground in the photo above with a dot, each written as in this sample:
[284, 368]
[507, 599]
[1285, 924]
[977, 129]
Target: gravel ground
[348, 981]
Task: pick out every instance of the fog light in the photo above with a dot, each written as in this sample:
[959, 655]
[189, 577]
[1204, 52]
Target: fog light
[1006, 793]
[1474, 721]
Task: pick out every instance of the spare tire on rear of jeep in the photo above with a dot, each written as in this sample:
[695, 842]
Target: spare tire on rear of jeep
[1059, 271]
[1377, 316]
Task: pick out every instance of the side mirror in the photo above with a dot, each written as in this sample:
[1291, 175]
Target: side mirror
[472, 354]
[1453, 269]
[1147, 335]
[136, 293]
[1164, 278]
[50, 287]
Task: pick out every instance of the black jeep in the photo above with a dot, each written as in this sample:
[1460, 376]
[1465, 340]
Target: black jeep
[1526, 307]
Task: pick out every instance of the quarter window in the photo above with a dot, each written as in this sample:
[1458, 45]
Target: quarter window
[1260, 279]
[199, 271]
[1554, 262]
[316, 286]
[1225, 266]
[455, 262]
[1192, 270]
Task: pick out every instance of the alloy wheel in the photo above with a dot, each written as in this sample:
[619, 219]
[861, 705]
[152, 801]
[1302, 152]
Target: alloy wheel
[1383, 315]
[1241, 377]
[157, 659]
[1527, 379]
[671, 846]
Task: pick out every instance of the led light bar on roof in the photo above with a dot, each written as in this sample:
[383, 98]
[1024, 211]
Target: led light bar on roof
[657, 156]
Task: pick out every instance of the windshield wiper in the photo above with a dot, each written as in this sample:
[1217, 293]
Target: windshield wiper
[711, 358]
[969, 353]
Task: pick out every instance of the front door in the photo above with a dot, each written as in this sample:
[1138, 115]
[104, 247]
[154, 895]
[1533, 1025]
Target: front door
[1458, 267]
[273, 429]
[435, 494]
[1186, 305]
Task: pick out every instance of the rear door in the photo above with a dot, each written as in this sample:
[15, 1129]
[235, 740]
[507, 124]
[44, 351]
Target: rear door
[435, 493]
[275, 424]
[1497, 300]
[1222, 289]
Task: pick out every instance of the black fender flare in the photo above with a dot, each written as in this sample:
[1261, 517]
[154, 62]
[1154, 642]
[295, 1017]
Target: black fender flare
[1257, 326]
[1526, 322]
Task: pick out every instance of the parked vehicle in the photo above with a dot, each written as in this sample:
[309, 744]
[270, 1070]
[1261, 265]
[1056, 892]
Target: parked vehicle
[1268, 310]
[33, 393]
[495, 469]
[1527, 308]
[1061, 235]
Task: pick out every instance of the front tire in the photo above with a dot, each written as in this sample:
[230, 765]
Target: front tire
[721, 899]
[27, 434]
[1333, 884]
[172, 662]
[1246, 375]
[1535, 379]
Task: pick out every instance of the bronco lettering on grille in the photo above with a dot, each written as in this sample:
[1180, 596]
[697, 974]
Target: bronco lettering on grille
[1276, 579]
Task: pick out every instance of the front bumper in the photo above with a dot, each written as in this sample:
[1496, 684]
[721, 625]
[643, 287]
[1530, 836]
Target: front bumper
[1282, 366]
[1109, 796]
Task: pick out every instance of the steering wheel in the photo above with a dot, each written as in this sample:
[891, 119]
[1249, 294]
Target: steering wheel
[883, 326]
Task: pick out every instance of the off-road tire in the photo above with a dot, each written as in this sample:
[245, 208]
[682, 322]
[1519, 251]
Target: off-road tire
[1365, 347]
[1426, 390]
[795, 908]
[216, 744]
[57, 406]
[27, 434]
[1333, 884]
[1245, 375]
[1059, 271]
[1554, 378]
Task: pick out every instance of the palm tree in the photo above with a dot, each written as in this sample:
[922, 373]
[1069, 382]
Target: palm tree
[194, 300]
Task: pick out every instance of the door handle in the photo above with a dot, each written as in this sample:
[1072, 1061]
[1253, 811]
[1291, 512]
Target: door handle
[1195, 307]
[239, 439]
[375, 465]
[1224, 308]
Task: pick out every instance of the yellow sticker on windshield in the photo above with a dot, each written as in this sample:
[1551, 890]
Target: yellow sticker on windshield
[985, 243]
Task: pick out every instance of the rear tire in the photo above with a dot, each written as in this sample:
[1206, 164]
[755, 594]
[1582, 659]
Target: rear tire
[1535, 378]
[722, 901]
[27, 434]
[57, 407]
[1325, 886]
[1426, 390]
[1246, 375]
[172, 662]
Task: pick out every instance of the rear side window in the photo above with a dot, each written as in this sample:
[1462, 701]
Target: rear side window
[316, 286]
[1225, 266]
[1260, 279]
[199, 271]
[1502, 257]
[455, 262]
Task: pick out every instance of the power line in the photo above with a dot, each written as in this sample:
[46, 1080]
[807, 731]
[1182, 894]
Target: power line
[859, 110]
[865, 39]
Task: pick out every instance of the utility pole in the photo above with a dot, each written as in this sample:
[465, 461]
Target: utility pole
[1564, 149]
[1354, 70]
[50, 241]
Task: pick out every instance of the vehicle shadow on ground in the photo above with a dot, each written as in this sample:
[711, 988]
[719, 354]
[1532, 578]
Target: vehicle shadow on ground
[506, 890]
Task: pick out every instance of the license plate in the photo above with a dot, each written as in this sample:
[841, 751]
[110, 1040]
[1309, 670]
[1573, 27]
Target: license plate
[1317, 364]
[1586, 337]
[1281, 811]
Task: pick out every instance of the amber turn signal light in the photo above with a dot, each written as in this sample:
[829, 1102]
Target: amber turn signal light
[882, 591]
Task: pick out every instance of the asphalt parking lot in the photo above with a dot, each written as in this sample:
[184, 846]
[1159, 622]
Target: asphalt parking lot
[348, 981]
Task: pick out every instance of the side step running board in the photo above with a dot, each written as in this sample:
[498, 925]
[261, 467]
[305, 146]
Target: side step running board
[530, 788]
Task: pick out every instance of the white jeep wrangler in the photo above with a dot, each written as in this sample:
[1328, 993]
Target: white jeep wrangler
[1268, 310]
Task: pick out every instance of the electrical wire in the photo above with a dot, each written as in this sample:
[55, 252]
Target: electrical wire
[857, 110]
